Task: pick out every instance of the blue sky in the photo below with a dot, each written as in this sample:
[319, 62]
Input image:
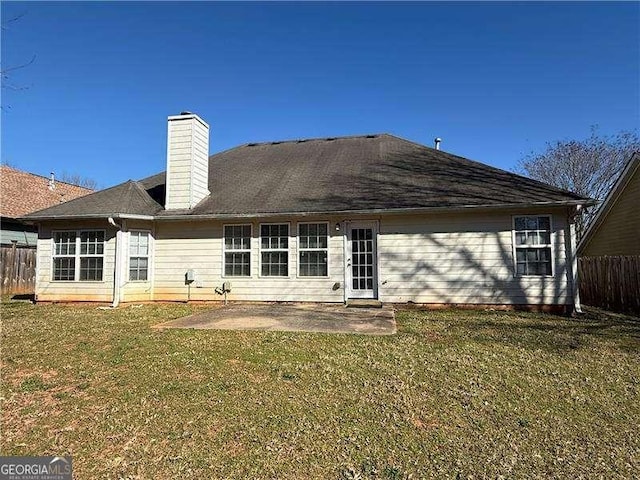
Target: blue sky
[494, 80]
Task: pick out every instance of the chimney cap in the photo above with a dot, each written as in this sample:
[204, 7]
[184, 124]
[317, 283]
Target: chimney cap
[186, 112]
[437, 141]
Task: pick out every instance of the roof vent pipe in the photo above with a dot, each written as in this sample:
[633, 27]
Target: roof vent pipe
[52, 181]
[437, 142]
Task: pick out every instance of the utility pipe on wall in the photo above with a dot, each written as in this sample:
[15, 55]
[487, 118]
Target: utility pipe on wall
[117, 274]
[572, 259]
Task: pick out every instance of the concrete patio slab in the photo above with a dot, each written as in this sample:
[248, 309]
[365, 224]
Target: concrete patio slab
[292, 318]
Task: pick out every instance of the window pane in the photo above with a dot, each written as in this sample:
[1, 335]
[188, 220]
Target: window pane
[545, 238]
[65, 243]
[313, 263]
[64, 268]
[274, 236]
[533, 261]
[275, 264]
[91, 268]
[237, 237]
[139, 243]
[520, 223]
[531, 223]
[237, 264]
[544, 223]
[138, 268]
[91, 243]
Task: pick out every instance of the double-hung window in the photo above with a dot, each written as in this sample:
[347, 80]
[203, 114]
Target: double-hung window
[138, 256]
[274, 250]
[237, 250]
[532, 237]
[78, 255]
[313, 249]
[64, 256]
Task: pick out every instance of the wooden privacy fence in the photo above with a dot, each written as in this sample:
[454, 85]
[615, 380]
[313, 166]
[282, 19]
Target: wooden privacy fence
[612, 283]
[17, 270]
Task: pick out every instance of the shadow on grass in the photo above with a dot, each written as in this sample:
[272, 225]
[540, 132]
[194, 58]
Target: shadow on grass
[526, 330]
[25, 297]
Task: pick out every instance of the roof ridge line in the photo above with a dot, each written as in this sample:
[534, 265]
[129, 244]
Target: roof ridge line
[310, 139]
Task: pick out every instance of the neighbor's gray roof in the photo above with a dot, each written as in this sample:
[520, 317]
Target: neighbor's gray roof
[369, 172]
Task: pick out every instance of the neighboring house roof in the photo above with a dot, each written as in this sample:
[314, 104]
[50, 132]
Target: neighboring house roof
[623, 200]
[360, 173]
[22, 192]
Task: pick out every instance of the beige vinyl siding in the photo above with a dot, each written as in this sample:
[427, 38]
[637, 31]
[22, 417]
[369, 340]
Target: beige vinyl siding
[180, 246]
[76, 291]
[619, 232]
[187, 162]
[435, 258]
[136, 291]
[463, 258]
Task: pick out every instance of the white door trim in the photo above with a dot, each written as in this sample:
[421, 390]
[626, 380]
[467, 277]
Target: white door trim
[350, 292]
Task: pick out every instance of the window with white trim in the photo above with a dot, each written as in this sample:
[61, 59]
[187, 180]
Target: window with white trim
[64, 256]
[532, 236]
[313, 249]
[78, 255]
[138, 256]
[237, 250]
[274, 250]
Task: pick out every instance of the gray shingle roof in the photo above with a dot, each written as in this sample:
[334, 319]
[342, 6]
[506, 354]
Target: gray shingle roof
[369, 172]
[129, 198]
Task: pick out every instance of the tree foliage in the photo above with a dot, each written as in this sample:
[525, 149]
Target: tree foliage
[588, 167]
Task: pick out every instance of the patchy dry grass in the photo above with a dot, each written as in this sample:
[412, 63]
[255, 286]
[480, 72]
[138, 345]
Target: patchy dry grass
[454, 394]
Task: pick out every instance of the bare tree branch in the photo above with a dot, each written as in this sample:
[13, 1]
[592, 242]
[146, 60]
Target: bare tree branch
[6, 23]
[5, 71]
[79, 180]
[587, 167]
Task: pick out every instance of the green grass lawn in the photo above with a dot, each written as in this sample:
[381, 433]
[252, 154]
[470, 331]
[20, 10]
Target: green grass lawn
[455, 394]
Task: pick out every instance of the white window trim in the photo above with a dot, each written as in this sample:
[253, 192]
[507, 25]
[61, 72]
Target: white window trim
[551, 245]
[288, 250]
[77, 255]
[328, 275]
[249, 250]
[148, 255]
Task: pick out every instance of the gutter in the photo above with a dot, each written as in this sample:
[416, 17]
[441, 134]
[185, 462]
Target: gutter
[117, 264]
[372, 211]
[83, 216]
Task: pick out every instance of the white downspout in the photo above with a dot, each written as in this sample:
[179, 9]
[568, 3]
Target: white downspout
[573, 257]
[117, 276]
